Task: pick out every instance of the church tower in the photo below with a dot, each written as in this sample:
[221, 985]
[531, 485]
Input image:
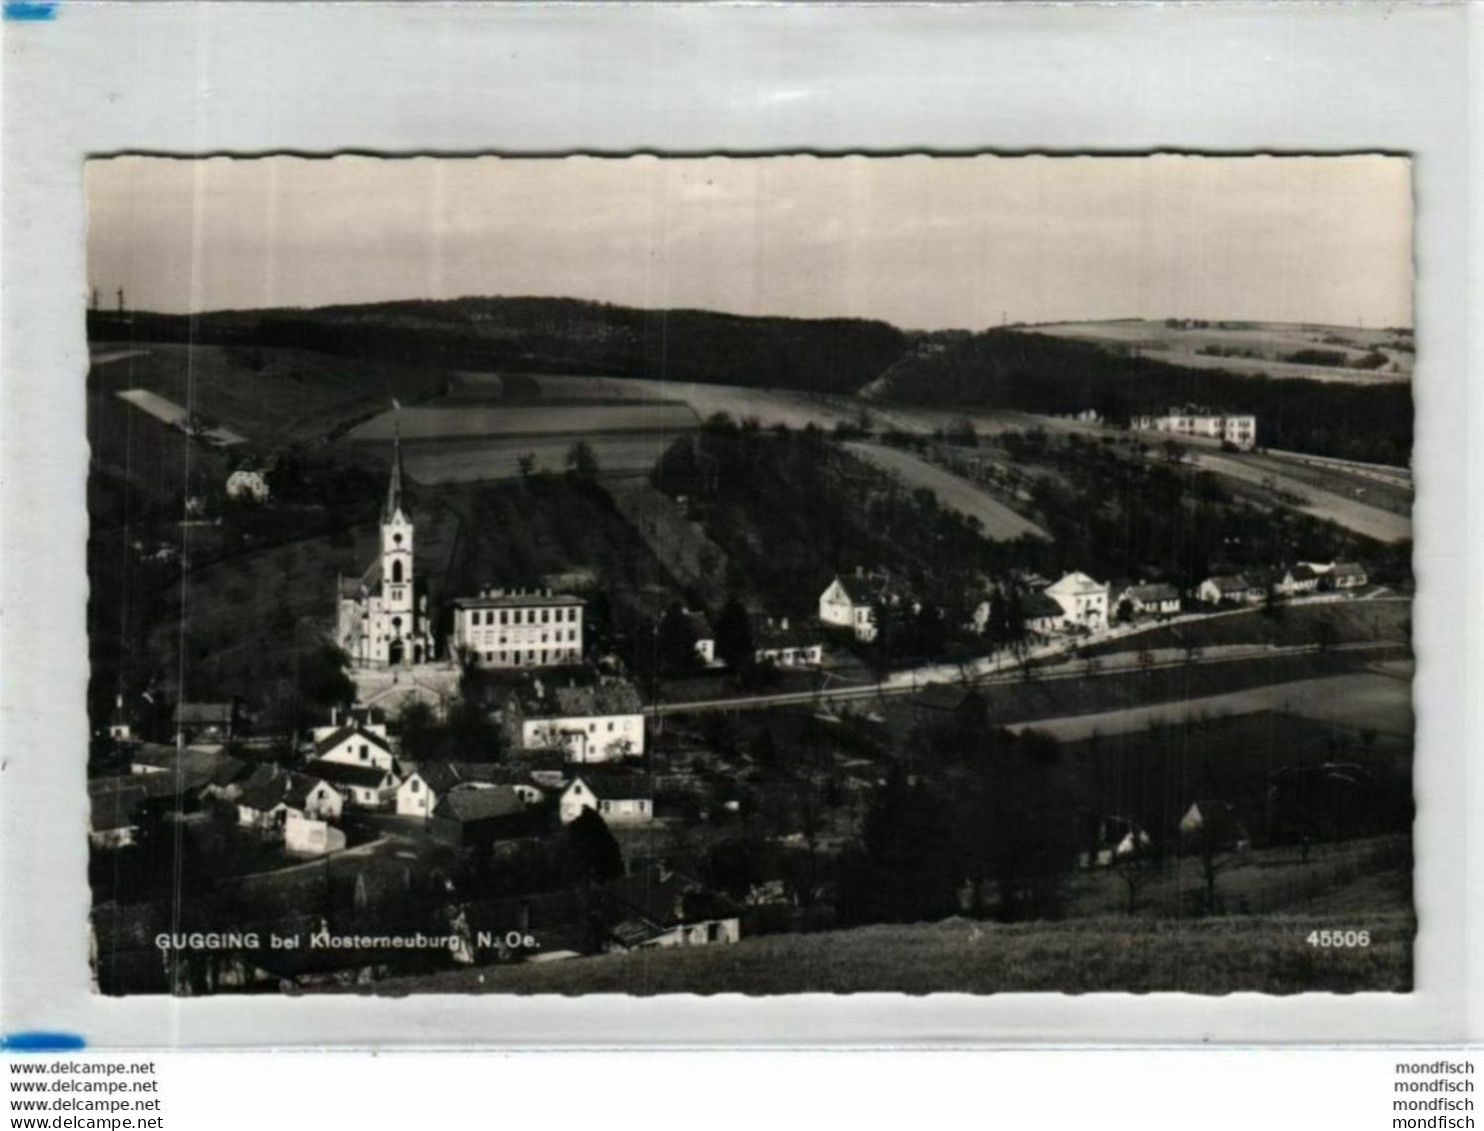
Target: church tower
[397, 590]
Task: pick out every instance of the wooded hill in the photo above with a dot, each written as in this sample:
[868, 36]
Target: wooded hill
[558, 335]
[1044, 374]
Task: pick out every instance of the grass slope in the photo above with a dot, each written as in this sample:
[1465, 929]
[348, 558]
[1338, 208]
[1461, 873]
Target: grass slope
[1209, 956]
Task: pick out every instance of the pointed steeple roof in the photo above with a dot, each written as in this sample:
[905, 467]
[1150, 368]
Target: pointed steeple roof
[394, 489]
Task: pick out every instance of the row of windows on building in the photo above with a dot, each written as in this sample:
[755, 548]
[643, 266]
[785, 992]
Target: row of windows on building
[488, 638]
[513, 656]
[517, 616]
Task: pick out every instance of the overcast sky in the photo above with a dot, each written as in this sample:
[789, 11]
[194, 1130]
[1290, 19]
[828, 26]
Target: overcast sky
[919, 241]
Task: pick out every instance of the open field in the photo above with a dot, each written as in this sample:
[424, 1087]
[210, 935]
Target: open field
[1362, 700]
[997, 520]
[1269, 343]
[464, 461]
[1207, 956]
[432, 422]
[269, 395]
[176, 416]
[1354, 622]
[1351, 513]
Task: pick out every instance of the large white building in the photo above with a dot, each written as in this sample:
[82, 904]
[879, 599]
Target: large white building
[1083, 601]
[512, 628]
[383, 620]
[1238, 430]
[592, 722]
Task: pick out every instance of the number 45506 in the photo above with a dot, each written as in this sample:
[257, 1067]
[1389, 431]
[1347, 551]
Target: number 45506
[1325, 939]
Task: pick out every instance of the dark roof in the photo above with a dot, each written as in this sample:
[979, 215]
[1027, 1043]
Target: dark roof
[609, 786]
[1154, 593]
[188, 768]
[480, 803]
[700, 626]
[1229, 584]
[785, 632]
[860, 590]
[330, 741]
[1303, 573]
[1348, 569]
[339, 773]
[440, 777]
[580, 700]
[540, 599]
[205, 712]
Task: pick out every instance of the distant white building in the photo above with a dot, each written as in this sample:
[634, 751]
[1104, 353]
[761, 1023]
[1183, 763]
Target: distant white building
[1144, 600]
[850, 601]
[1083, 601]
[1240, 430]
[248, 483]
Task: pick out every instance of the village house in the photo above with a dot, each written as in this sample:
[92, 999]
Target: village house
[1347, 575]
[850, 601]
[1217, 824]
[1298, 581]
[248, 483]
[362, 786]
[1149, 600]
[512, 628]
[1223, 589]
[473, 815]
[1115, 839]
[382, 618]
[704, 636]
[620, 799]
[592, 722]
[659, 907]
[367, 718]
[1083, 601]
[353, 746]
[787, 644]
[266, 801]
[212, 723]
[422, 790]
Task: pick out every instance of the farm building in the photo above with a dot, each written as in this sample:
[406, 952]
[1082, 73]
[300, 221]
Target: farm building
[472, 815]
[503, 628]
[1215, 590]
[1149, 600]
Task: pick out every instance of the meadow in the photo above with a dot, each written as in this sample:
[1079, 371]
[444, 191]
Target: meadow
[436, 422]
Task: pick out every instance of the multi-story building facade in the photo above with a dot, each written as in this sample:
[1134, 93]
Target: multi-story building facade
[505, 628]
[1239, 430]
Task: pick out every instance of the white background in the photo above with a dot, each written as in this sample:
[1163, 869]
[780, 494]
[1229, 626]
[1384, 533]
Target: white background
[465, 78]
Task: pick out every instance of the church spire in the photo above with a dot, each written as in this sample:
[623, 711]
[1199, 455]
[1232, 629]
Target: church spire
[394, 489]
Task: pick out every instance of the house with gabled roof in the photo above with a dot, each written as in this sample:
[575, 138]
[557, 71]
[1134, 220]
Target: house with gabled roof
[363, 787]
[423, 789]
[1083, 601]
[851, 601]
[786, 643]
[354, 746]
[205, 722]
[482, 814]
[620, 799]
[267, 799]
[1223, 587]
[593, 721]
[1151, 599]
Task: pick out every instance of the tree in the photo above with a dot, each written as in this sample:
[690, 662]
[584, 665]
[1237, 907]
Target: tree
[675, 643]
[734, 643]
[1136, 868]
[905, 869]
[1125, 611]
[526, 463]
[594, 853]
[582, 461]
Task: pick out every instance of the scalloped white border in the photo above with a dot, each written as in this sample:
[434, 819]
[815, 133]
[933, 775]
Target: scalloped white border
[467, 78]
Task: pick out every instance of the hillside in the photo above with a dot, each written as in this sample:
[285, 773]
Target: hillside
[1041, 373]
[1205, 956]
[557, 335]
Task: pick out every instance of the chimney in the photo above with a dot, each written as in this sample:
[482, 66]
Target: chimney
[783, 623]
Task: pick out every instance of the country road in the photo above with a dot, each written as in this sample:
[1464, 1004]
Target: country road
[987, 673]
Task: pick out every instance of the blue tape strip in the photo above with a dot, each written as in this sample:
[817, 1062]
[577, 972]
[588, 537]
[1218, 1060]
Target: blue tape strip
[30, 9]
[42, 1042]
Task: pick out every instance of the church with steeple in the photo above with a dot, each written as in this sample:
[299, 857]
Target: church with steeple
[383, 618]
